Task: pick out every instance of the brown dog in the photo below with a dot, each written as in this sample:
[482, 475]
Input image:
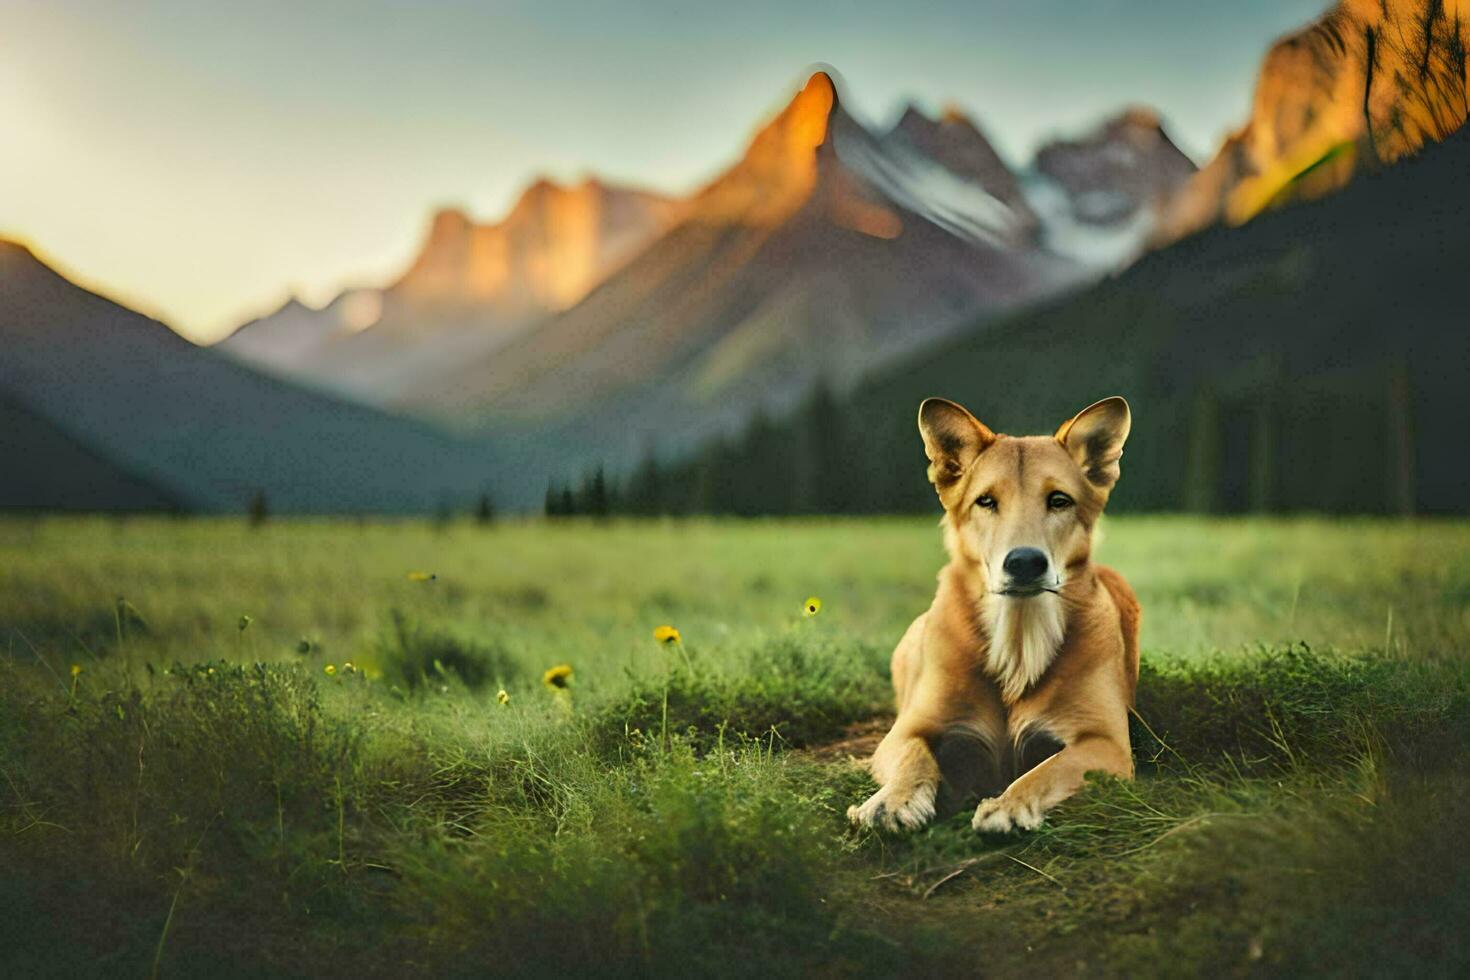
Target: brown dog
[1018, 679]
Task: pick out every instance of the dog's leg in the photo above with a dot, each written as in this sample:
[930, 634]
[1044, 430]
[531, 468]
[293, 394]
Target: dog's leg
[1024, 803]
[908, 778]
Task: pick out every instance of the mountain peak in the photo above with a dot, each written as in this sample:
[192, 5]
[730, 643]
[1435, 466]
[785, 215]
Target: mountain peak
[954, 115]
[804, 123]
[11, 247]
[1119, 171]
[779, 168]
[449, 222]
[819, 86]
[914, 122]
[911, 120]
[1139, 117]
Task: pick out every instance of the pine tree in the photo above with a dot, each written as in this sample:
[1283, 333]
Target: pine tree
[259, 511]
[485, 510]
[644, 493]
[597, 495]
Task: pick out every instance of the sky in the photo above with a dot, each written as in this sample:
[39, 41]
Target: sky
[202, 161]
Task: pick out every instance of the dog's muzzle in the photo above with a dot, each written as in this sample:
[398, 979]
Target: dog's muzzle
[1027, 573]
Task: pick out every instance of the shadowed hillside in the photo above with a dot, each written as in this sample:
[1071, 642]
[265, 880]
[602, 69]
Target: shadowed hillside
[47, 469]
[157, 420]
[1313, 359]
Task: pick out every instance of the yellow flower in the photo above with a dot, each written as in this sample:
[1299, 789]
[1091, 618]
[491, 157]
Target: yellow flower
[329, 669]
[559, 677]
[348, 666]
[812, 607]
[502, 696]
[421, 576]
[76, 670]
[667, 634]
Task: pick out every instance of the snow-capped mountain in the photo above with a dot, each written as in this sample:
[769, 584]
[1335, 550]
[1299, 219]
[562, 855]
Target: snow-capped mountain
[827, 250]
[823, 252]
[1099, 196]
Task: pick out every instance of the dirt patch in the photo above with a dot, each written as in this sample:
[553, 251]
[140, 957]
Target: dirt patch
[856, 744]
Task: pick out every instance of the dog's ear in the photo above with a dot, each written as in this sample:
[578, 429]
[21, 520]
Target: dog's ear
[1094, 437]
[952, 439]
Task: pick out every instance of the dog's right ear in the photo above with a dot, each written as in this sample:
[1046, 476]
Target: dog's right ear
[952, 439]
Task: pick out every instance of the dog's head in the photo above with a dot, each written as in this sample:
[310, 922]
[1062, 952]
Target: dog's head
[1023, 509]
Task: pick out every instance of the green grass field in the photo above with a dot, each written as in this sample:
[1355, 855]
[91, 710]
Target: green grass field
[187, 791]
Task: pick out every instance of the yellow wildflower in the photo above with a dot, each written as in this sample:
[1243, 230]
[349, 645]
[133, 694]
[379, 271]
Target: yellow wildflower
[349, 667]
[667, 634]
[812, 607]
[502, 697]
[421, 576]
[329, 669]
[76, 670]
[559, 677]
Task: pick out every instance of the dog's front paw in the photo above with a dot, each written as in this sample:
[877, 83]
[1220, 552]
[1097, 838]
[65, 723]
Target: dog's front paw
[891, 810]
[1000, 815]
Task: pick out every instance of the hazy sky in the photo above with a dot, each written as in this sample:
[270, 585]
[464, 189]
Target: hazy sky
[203, 160]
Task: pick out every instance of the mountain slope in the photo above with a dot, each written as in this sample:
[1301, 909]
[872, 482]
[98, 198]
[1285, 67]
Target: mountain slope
[821, 253]
[1100, 196]
[956, 144]
[46, 469]
[1318, 363]
[471, 287]
[292, 337]
[195, 428]
[1368, 83]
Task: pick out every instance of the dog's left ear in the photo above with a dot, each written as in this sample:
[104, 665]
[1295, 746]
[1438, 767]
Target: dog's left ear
[1094, 437]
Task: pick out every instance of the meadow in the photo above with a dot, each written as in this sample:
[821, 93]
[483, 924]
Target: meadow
[334, 747]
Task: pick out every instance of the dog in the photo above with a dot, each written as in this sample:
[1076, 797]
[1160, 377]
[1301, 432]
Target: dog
[1018, 680]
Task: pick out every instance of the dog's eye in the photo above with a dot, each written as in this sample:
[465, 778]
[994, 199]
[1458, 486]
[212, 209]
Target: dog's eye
[1058, 500]
[986, 501]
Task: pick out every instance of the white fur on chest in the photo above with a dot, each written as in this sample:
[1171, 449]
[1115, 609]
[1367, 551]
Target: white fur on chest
[1025, 635]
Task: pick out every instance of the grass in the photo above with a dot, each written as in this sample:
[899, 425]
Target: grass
[203, 797]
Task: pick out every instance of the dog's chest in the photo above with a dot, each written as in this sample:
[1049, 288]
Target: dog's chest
[1022, 640]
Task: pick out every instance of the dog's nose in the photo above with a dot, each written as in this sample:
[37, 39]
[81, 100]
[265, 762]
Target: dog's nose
[1025, 565]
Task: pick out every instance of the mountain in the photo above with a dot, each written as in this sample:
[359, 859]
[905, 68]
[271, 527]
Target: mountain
[1368, 83]
[106, 409]
[1313, 359]
[556, 243]
[47, 469]
[1100, 196]
[823, 252]
[471, 287]
[296, 335]
[962, 151]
